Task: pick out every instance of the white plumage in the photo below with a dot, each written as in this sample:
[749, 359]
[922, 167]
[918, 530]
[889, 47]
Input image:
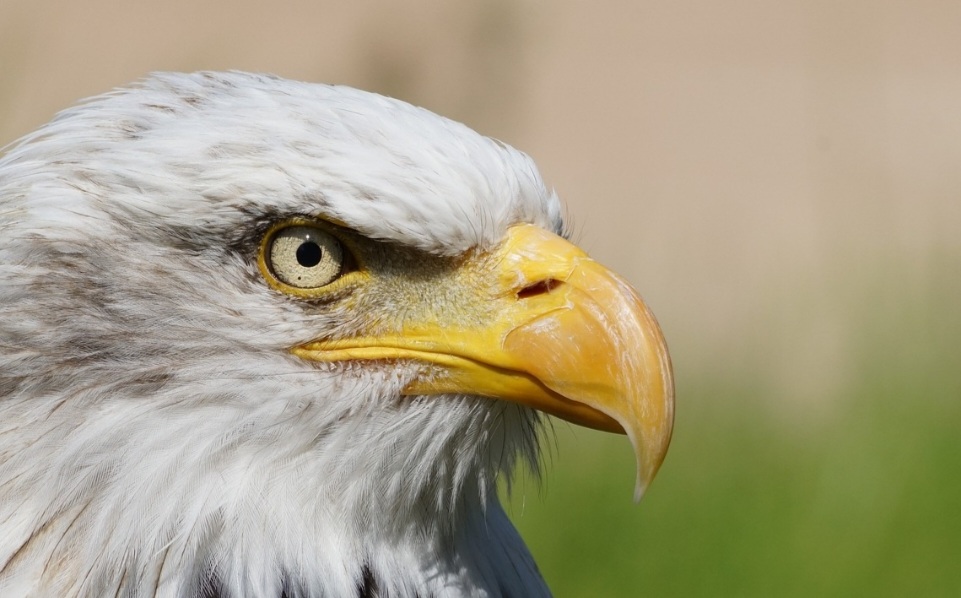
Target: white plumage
[157, 435]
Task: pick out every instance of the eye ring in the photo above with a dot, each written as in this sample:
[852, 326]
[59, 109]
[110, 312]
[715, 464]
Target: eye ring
[304, 258]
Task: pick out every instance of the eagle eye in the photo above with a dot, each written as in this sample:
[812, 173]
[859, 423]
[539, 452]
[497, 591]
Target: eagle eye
[304, 257]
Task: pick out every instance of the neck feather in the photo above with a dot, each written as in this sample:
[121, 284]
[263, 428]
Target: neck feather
[166, 488]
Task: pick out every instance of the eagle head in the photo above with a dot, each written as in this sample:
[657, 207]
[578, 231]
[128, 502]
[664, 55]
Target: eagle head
[268, 338]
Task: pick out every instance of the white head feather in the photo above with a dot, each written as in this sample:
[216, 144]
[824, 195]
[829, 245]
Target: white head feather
[156, 437]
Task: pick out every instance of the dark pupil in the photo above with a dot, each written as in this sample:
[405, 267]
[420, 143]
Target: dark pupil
[309, 254]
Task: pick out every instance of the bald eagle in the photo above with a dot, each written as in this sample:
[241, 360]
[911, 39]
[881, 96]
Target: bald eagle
[268, 338]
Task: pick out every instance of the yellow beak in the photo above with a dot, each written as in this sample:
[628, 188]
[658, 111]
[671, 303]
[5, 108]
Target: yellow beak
[564, 335]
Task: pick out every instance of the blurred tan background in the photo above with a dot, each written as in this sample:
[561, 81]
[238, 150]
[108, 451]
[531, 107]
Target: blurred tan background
[735, 160]
[780, 179]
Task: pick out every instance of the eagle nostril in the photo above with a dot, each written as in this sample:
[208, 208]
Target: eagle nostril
[538, 288]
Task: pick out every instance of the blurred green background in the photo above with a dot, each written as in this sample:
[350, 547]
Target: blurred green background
[780, 180]
[753, 501]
